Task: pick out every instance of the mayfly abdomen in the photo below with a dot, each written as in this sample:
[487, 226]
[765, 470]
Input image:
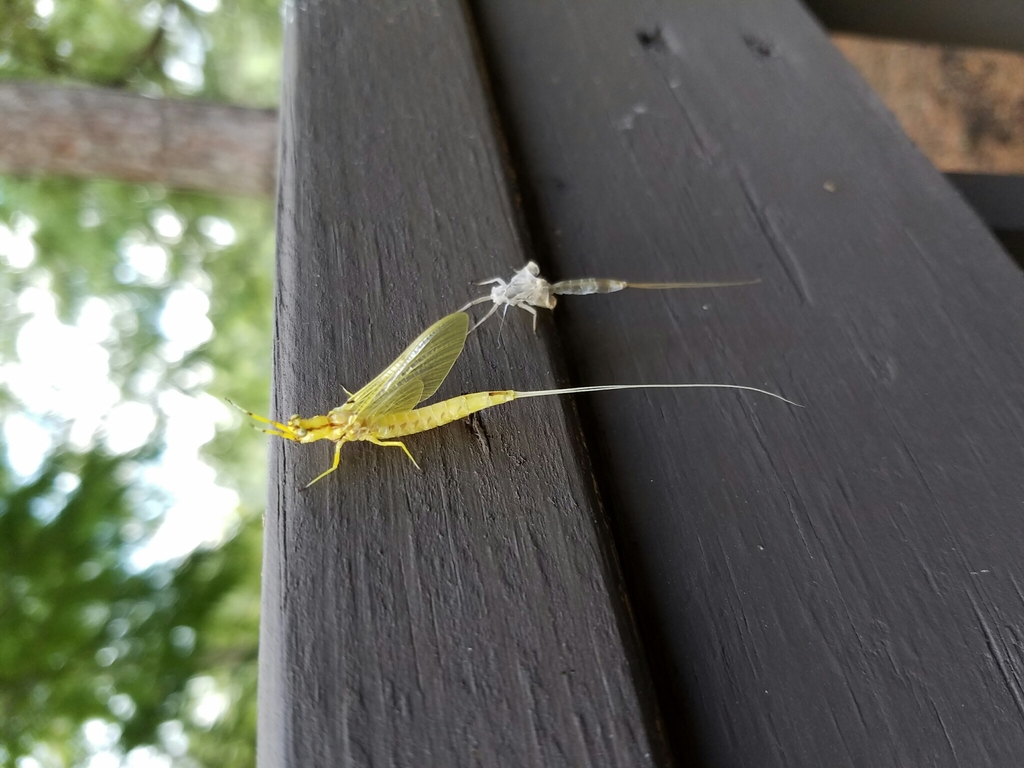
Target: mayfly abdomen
[437, 415]
[587, 286]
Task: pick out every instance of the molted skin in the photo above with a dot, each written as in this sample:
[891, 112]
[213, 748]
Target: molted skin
[527, 289]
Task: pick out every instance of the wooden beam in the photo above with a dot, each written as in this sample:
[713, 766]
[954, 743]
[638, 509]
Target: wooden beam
[472, 613]
[964, 108]
[840, 585]
[986, 23]
[999, 200]
[89, 132]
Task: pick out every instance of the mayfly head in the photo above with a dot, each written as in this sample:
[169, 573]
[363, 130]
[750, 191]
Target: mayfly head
[296, 429]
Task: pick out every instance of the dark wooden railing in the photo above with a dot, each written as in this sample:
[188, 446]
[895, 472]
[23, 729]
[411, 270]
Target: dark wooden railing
[638, 578]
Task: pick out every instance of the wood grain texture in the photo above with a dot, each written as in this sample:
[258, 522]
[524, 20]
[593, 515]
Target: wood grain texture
[99, 132]
[840, 585]
[470, 614]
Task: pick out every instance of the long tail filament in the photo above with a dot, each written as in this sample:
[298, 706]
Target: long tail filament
[609, 387]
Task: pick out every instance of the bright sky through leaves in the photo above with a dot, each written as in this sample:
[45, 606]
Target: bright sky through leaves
[62, 377]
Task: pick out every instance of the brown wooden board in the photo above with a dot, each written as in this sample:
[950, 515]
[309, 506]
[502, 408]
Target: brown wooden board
[835, 586]
[470, 614]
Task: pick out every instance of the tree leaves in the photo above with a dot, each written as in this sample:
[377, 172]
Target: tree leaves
[85, 635]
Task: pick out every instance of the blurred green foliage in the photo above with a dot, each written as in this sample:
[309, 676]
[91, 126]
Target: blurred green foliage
[84, 229]
[86, 638]
[224, 50]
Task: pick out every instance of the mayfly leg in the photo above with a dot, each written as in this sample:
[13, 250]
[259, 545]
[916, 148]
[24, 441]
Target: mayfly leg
[474, 302]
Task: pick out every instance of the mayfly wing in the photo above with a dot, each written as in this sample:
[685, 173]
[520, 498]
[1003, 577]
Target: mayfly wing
[416, 373]
[401, 396]
[435, 353]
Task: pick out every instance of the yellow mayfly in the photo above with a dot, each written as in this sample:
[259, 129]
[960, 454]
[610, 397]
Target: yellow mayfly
[385, 408]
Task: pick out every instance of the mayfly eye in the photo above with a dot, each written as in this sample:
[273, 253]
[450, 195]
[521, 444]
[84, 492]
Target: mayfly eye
[300, 432]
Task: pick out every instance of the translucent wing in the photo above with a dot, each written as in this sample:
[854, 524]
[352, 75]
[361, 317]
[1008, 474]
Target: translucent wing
[400, 397]
[416, 373]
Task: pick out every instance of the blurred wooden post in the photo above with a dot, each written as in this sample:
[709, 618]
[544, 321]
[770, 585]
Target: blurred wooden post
[89, 132]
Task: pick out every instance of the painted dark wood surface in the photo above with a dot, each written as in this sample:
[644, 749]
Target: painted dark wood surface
[470, 614]
[998, 200]
[840, 585]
